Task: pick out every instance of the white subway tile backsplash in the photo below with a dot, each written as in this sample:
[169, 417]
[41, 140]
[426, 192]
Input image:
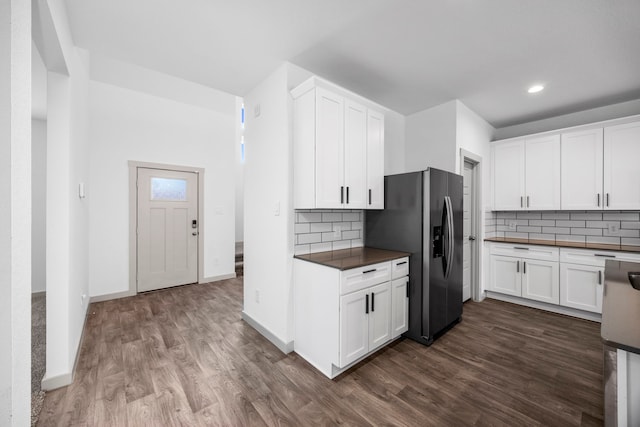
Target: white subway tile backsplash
[302, 227]
[556, 230]
[516, 235]
[603, 239]
[578, 226]
[630, 241]
[315, 230]
[309, 238]
[587, 231]
[354, 234]
[555, 215]
[621, 216]
[320, 227]
[320, 247]
[352, 216]
[622, 233]
[562, 223]
[571, 238]
[331, 216]
[309, 217]
[588, 216]
[630, 224]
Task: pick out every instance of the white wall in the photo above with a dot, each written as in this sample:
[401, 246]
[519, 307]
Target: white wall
[239, 175]
[15, 212]
[39, 205]
[474, 134]
[268, 237]
[130, 125]
[394, 142]
[431, 138]
[608, 112]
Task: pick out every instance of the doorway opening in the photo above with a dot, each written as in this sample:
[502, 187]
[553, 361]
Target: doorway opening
[166, 226]
[470, 165]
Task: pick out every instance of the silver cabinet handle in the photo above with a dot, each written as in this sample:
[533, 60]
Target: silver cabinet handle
[342, 195]
[527, 201]
[598, 199]
[369, 196]
[517, 266]
[599, 277]
[519, 247]
[605, 256]
[607, 199]
[521, 202]
[524, 267]
[347, 195]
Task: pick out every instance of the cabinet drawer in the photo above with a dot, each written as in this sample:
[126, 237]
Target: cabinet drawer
[595, 258]
[362, 277]
[543, 253]
[399, 268]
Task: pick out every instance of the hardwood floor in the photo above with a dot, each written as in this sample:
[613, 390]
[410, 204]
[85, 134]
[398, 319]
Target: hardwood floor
[183, 356]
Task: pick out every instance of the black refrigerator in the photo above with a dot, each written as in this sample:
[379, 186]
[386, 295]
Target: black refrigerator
[423, 216]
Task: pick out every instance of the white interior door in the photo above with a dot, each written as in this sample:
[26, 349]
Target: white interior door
[469, 232]
[167, 228]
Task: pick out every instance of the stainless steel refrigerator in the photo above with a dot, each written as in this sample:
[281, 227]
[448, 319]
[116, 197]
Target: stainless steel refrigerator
[423, 216]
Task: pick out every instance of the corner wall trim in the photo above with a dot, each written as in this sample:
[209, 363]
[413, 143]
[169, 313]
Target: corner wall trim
[282, 346]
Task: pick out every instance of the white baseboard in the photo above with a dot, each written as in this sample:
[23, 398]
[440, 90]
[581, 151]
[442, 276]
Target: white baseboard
[218, 278]
[57, 381]
[595, 317]
[282, 346]
[115, 295]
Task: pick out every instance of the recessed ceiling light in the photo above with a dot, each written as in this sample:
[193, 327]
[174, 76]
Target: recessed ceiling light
[535, 89]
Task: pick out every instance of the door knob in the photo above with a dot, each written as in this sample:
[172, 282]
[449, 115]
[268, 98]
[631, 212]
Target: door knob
[472, 238]
[195, 233]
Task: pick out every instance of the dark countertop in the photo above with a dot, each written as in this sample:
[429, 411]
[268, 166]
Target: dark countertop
[345, 259]
[620, 307]
[562, 244]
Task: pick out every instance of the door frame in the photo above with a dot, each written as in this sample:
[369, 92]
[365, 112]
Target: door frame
[133, 217]
[469, 157]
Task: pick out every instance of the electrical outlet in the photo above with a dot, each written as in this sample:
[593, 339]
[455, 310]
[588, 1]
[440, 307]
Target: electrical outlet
[256, 110]
[512, 224]
[337, 232]
[257, 296]
[83, 297]
[613, 228]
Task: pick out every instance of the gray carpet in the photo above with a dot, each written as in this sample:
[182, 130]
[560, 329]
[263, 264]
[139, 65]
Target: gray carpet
[38, 351]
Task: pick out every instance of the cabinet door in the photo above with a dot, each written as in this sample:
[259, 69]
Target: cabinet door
[581, 286]
[399, 307]
[354, 326]
[542, 173]
[581, 170]
[508, 176]
[379, 315]
[541, 281]
[505, 275]
[355, 155]
[375, 161]
[621, 167]
[329, 149]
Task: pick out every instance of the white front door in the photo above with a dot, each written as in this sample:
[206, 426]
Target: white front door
[167, 227]
[468, 227]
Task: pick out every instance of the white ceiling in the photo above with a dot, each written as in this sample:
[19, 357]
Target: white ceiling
[408, 55]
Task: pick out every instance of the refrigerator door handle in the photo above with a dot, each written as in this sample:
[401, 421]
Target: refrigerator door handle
[452, 242]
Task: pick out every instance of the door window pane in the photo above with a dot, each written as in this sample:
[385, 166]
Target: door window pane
[170, 189]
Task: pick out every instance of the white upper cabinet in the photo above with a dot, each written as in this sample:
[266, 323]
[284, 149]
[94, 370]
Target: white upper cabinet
[329, 150]
[355, 154]
[526, 174]
[338, 149]
[375, 160]
[542, 173]
[508, 175]
[621, 166]
[581, 183]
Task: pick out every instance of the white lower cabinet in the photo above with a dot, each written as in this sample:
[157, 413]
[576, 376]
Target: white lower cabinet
[399, 306]
[568, 277]
[581, 286]
[343, 316]
[531, 278]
